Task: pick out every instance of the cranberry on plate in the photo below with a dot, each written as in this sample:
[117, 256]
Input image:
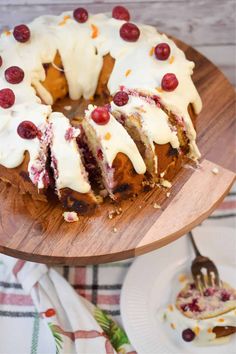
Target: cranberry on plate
[7, 98]
[188, 335]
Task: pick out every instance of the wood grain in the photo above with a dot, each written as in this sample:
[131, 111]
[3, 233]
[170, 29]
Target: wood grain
[36, 231]
[209, 25]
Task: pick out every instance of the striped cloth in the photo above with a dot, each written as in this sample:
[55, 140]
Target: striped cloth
[100, 284]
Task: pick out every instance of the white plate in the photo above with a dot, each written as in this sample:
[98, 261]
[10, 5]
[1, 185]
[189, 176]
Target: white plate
[152, 283]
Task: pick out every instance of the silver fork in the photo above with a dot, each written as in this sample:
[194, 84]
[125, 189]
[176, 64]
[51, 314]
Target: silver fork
[204, 271]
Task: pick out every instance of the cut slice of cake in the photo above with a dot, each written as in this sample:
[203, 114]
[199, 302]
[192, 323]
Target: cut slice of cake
[71, 180]
[121, 165]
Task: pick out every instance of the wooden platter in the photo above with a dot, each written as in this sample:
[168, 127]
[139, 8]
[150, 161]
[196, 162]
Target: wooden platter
[36, 231]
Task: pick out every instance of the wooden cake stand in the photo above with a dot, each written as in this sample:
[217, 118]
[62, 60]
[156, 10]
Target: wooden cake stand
[36, 231]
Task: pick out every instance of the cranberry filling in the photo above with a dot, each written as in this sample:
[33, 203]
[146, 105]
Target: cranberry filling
[21, 33]
[129, 32]
[0, 61]
[7, 98]
[225, 296]
[14, 75]
[80, 15]
[120, 13]
[192, 306]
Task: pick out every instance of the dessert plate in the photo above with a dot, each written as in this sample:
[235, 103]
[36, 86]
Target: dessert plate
[36, 231]
[152, 283]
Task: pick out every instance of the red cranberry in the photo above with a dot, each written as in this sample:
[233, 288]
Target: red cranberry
[7, 98]
[192, 306]
[169, 82]
[121, 98]
[120, 13]
[225, 296]
[21, 33]
[50, 313]
[14, 75]
[0, 61]
[188, 335]
[100, 154]
[80, 15]
[162, 51]
[192, 286]
[129, 32]
[100, 115]
[209, 292]
[27, 130]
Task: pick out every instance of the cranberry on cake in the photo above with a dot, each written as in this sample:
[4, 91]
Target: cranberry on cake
[139, 128]
[204, 317]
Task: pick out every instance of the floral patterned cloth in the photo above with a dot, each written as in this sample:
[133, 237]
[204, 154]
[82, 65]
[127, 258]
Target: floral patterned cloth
[41, 310]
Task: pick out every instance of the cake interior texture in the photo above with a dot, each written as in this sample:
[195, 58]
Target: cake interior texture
[102, 107]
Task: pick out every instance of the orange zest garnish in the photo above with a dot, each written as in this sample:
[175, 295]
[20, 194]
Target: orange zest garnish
[170, 307]
[128, 72]
[7, 33]
[94, 31]
[182, 278]
[172, 58]
[151, 52]
[107, 136]
[159, 89]
[63, 22]
[196, 330]
[173, 326]
[221, 320]
[209, 330]
[65, 18]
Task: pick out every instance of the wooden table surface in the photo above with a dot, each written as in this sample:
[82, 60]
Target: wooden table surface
[207, 25]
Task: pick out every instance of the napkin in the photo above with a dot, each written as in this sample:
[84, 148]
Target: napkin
[71, 323]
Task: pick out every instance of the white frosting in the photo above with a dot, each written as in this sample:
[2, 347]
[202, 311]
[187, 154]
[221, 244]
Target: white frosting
[82, 58]
[70, 170]
[204, 327]
[154, 121]
[114, 139]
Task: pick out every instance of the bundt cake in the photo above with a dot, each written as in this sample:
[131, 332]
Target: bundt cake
[205, 316]
[138, 126]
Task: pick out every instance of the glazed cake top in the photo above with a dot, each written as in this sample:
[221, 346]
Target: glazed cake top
[82, 47]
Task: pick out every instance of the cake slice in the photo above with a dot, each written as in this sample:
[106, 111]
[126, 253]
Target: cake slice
[121, 165]
[71, 180]
[151, 129]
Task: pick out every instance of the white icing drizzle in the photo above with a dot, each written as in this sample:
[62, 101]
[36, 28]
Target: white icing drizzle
[82, 58]
[70, 170]
[117, 140]
[181, 322]
[154, 121]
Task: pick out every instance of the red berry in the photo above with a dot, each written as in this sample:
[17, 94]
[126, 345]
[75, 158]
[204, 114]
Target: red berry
[209, 292]
[121, 98]
[169, 82]
[100, 154]
[27, 130]
[120, 13]
[7, 98]
[0, 61]
[14, 75]
[100, 115]
[80, 15]
[225, 296]
[21, 33]
[188, 335]
[50, 313]
[162, 51]
[129, 32]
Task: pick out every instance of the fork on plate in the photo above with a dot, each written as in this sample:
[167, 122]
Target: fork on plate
[204, 271]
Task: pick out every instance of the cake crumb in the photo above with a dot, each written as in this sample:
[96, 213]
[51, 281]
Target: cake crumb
[182, 278]
[168, 194]
[70, 216]
[162, 174]
[114, 229]
[156, 206]
[113, 213]
[67, 108]
[215, 170]
[140, 206]
[165, 183]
